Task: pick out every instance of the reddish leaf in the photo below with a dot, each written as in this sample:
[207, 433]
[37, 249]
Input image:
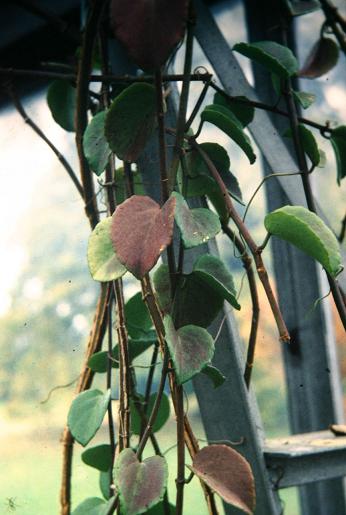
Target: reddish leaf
[149, 30]
[141, 231]
[228, 473]
[322, 58]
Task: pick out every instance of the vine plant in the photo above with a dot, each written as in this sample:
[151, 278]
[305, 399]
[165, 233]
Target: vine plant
[171, 315]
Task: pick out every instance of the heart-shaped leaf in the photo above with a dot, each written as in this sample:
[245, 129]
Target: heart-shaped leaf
[162, 286]
[308, 142]
[98, 457]
[130, 120]
[228, 474]
[103, 263]
[162, 415]
[198, 225]
[276, 58]
[98, 361]
[61, 98]
[308, 232]
[244, 113]
[190, 347]
[213, 271]
[195, 302]
[304, 98]
[323, 57]
[225, 120]
[141, 485]
[86, 414]
[338, 140]
[214, 375]
[141, 231]
[93, 506]
[138, 321]
[95, 145]
[149, 30]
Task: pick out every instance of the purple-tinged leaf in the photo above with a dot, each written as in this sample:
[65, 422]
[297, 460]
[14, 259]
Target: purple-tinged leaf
[323, 57]
[149, 30]
[141, 230]
[141, 485]
[190, 347]
[228, 474]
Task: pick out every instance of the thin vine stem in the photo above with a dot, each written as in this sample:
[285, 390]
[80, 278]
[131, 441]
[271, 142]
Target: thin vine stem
[255, 250]
[247, 263]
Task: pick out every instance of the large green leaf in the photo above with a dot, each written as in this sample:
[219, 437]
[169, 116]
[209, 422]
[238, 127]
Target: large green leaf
[228, 474]
[95, 145]
[61, 98]
[141, 485]
[103, 263]
[214, 272]
[130, 121]
[198, 225]
[86, 414]
[190, 347]
[98, 457]
[162, 415]
[276, 58]
[308, 232]
[308, 142]
[225, 120]
[138, 321]
[195, 302]
[98, 361]
[141, 230]
[93, 506]
[243, 112]
[338, 140]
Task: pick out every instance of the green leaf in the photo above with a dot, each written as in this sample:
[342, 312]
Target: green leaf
[61, 99]
[105, 483]
[308, 232]
[86, 414]
[195, 302]
[308, 142]
[218, 155]
[98, 457]
[304, 99]
[130, 121]
[138, 321]
[162, 285]
[162, 416]
[276, 58]
[213, 272]
[93, 506]
[95, 145]
[190, 347]
[198, 225]
[98, 361]
[214, 375]
[225, 120]
[228, 474]
[141, 485]
[338, 140]
[244, 113]
[103, 263]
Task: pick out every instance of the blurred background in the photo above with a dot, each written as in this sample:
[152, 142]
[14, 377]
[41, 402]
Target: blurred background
[47, 297]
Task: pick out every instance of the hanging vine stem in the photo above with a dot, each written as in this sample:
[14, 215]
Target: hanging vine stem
[247, 263]
[255, 250]
[302, 164]
[189, 437]
[85, 379]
